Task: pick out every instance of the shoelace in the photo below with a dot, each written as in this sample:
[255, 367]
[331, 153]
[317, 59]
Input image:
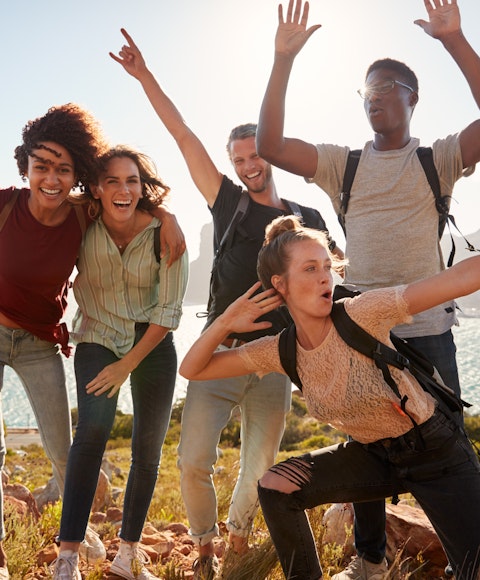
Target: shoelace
[139, 559]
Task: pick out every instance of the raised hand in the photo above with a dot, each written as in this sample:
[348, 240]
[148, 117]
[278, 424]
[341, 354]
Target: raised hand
[241, 315]
[444, 18]
[292, 32]
[130, 57]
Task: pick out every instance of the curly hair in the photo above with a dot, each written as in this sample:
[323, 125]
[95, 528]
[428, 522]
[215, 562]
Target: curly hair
[72, 127]
[280, 234]
[154, 190]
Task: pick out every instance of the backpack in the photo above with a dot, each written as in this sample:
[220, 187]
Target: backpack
[226, 242]
[425, 156]
[402, 357]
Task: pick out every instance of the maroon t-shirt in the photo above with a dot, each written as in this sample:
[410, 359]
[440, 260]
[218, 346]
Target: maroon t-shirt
[36, 262]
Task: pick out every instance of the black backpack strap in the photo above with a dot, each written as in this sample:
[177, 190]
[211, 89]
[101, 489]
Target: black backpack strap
[156, 243]
[360, 340]
[237, 218]
[425, 156]
[7, 208]
[287, 350]
[348, 177]
[294, 208]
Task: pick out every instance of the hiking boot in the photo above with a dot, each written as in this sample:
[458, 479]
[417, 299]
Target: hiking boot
[92, 549]
[205, 568]
[361, 569]
[66, 567]
[130, 563]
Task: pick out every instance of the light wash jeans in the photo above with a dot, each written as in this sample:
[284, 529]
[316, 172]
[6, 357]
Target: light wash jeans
[264, 404]
[39, 365]
[152, 386]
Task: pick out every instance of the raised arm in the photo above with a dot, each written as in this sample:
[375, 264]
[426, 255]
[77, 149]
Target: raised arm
[290, 154]
[204, 173]
[444, 24]
[202, 362]
[460, 280]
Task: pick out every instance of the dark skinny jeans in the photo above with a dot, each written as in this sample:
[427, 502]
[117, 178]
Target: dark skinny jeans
[152, 386]
[369, 527]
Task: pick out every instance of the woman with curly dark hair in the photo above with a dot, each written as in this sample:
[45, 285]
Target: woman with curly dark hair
[128, 304]
[41, 229]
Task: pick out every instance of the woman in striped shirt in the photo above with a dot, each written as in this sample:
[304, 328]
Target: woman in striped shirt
[129, 302]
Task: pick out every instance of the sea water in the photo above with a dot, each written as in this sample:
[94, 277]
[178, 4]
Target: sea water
[17, 411]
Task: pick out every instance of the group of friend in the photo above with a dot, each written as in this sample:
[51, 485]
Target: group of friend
[104, 210]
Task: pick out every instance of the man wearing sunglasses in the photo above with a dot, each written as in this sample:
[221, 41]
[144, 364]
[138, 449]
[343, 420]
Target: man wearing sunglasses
[392, 222]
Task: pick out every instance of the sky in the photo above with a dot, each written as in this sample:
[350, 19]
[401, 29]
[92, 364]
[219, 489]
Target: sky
[213, 58]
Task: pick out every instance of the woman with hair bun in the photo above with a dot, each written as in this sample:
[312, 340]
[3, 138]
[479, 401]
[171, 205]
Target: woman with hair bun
[434, 462]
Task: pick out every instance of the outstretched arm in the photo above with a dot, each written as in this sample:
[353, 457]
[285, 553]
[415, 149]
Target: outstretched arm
[461, 279]
[444, 24]
[292, 155]
[202, 362]
[206, 176]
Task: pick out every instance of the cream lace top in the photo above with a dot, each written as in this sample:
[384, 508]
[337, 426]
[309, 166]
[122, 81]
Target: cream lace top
[345, 388]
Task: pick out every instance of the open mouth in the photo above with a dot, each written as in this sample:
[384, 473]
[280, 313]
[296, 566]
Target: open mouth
[123, 203]
[253, 175]
[50, 192]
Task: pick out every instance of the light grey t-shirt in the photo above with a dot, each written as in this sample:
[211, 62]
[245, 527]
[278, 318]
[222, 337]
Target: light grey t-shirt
[391, 221]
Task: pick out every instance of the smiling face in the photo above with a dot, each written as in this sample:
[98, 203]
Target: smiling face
[307, 284]
[391, 112]
[51, 176]
[253, 171]
[119, 189]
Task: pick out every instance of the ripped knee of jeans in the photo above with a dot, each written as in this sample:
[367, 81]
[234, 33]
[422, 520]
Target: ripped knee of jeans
[287, 476]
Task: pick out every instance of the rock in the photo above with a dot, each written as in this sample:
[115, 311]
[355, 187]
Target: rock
[114, 515]
[21, 493]
[47, 555]
[102, 493]
[177, 528]
[46, 494]
[338, 523]
[98, 518]
[410, 531]
[15, 506]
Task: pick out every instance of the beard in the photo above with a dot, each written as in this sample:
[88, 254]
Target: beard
[261, 187]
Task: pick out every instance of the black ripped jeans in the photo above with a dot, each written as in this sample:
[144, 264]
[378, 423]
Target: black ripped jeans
[444, 477]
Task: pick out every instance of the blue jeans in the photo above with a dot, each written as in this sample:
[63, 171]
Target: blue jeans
[39, 365]
[444, 477]
[369, 527]
[152, 386]
[264, 404]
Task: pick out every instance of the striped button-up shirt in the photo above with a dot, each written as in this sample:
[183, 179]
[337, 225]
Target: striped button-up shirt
[115, 291]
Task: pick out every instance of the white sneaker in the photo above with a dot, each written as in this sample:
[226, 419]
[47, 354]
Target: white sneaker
[361, 569]
[4, 575]
[66, 567]
[92, 549]
[130, 563]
